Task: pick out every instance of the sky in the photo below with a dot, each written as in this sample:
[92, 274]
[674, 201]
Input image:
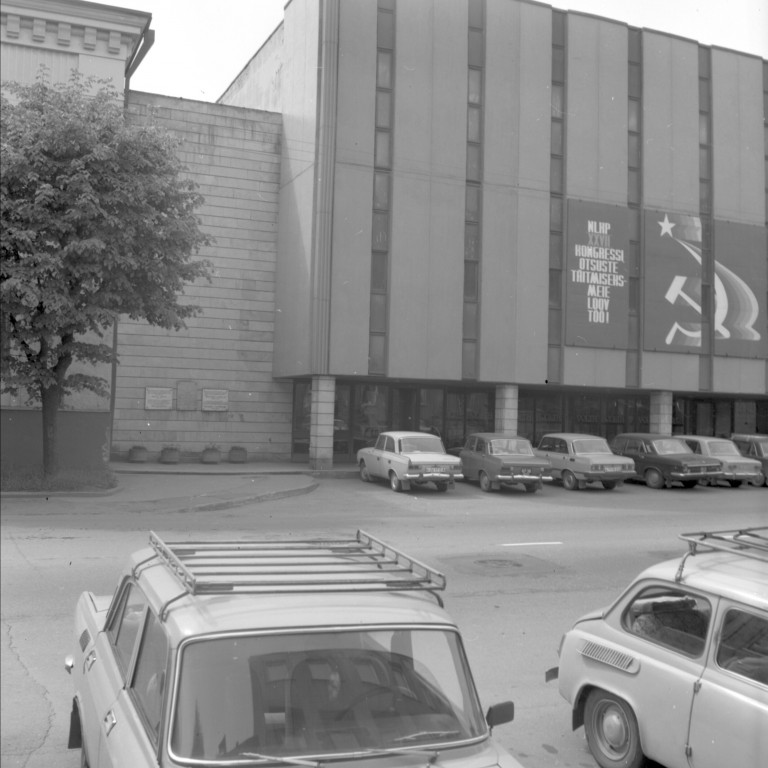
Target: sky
[201, 46]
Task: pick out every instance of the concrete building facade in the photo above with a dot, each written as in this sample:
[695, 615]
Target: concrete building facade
[463, 215]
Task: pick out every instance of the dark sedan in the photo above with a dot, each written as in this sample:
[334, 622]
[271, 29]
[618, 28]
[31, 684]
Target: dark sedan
[661, 460]
[497, 460]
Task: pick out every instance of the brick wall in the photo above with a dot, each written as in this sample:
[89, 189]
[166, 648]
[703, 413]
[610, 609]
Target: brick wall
[234, 155]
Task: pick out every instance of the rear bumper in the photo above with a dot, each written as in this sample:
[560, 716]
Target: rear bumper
[434, 477]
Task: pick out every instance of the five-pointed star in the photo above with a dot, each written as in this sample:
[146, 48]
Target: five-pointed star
[666, 226]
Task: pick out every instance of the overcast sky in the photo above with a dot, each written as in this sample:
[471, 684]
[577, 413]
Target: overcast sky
[201, 46]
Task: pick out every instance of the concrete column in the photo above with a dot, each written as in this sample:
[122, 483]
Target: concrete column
[321, 422]
[506, 408]
[661, 413]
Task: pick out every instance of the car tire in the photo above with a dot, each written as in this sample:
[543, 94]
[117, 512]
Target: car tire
[394, 482]
[485, 482]
[609, 485]
[611, 729]
[690, 483]
[531, 487]
[570, 483]
[654, 479]
[735, 483]
[442, 487]
[365, 476]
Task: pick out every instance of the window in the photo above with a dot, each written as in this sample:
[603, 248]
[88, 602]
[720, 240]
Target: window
[127, 623]
[742, 647]
[670, 617]
[149, 681]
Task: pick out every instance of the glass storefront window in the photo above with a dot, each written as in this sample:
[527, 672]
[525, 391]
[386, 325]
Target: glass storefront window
[302, 408]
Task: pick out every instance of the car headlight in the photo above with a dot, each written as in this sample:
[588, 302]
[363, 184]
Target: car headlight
[597, 467]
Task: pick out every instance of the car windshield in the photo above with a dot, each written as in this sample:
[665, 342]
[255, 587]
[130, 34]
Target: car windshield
[723, 448]
[419, 444]
[510, 445]
[669, 445]
[324, 693]
[762, 448]
[592, 445]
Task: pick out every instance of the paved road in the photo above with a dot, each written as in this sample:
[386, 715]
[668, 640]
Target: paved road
[520, 570]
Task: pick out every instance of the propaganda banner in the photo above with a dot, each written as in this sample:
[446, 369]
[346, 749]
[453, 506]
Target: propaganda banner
[597, 276]
[673, 308]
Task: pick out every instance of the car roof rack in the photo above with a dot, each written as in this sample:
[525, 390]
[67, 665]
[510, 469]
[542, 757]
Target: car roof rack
[316, 565]
[747, 542]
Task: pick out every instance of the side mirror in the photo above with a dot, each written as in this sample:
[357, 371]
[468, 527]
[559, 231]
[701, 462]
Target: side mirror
[498, 714]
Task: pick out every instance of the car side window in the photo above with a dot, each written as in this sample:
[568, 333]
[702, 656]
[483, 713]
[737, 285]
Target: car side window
[742, 647]
[633, 446]
[381, 442]
[561, 446]
[389, 445]
[480, 445]
[694, 446]
[670, 617]
[149, 678]
[470, 446]
[126, 624]
[545, 445]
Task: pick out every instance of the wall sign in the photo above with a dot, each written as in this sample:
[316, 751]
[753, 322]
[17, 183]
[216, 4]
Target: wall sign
[215, 399]
[158, 398]
[597, 276]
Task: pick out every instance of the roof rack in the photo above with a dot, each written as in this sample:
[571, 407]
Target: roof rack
[747, 542]
[317, 565]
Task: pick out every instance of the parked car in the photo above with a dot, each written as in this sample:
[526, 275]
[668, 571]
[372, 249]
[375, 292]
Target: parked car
[736, 469]
[676, 669]
[497, 460]
[405, 458]
[265, 653]
[661, 460]
[578, 459]
[754, 447]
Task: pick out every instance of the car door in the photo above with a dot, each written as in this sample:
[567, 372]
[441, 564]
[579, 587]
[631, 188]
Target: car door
[558, 456]
[376, 467]
[730, 705]
[122, 738]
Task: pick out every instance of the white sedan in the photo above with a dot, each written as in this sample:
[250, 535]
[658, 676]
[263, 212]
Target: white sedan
[405, 458]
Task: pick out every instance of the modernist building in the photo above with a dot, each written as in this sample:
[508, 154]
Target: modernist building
[462, 215]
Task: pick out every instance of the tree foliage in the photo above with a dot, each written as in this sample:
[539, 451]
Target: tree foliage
[98, 221]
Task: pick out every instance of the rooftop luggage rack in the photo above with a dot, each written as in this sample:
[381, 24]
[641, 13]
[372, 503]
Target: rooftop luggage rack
[318, 565]
[747, 542]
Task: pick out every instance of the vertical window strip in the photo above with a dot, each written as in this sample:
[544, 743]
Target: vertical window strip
[378, 329]
[634, 162]
[473, 188]
[706, 217]
[557, 161]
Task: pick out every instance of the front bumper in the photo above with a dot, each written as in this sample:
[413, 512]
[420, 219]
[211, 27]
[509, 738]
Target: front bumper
[518, 477]
[612, 476]
[705, 475]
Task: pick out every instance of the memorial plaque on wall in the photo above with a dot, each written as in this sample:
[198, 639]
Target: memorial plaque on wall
[597, 276]
[186, 396]
[215, 399]
[158, 398]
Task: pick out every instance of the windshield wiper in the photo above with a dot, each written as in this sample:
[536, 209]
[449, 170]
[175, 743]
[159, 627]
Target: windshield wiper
[280, 759]
[428, 735]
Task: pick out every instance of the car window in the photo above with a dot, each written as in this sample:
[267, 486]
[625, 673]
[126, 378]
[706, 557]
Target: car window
[389, 444]
[670, 445]
[480, 446]
[561, 446]
[591, 445]
[723, 448]
[670, 617]
[149, 678]
[381, 442]
[470, 446]
[634, 446]
[546, 444]
[694, 445]
[124, 629]
[742, 647]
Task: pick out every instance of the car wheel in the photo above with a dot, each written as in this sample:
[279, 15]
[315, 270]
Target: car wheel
[690, 483]
[364, 474]
[654, 479]
[394, 482]
[609, 485]
[442, 487]
[485, 482]
[531, 487]
[570, 483]
[735, 483]
[611, 729]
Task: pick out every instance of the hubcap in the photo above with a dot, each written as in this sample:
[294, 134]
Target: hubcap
[614, 728]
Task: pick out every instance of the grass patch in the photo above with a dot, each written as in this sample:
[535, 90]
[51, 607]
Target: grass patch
[66, 480]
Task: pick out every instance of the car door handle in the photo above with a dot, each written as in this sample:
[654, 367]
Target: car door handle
[90, 660]
[110, 721]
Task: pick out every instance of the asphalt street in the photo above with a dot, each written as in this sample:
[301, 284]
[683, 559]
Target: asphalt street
[521, 568]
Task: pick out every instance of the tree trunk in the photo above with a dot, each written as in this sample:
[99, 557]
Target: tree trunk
[50, 400]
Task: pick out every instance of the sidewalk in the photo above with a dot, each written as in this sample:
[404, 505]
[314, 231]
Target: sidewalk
[184, 487]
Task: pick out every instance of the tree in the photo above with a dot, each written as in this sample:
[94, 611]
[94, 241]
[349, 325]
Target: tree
[98, 221]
